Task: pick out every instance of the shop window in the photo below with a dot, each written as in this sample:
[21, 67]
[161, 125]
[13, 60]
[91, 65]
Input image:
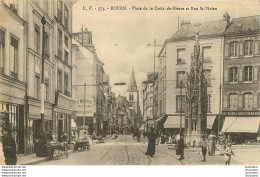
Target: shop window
[13, 57]
[30, 131]
[233, 101]
[12, 109]
[248, 47]
[233, 74]
[234, 46]
[248, 101]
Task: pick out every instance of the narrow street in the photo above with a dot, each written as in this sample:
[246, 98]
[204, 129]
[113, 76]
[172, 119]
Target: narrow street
[126, 151]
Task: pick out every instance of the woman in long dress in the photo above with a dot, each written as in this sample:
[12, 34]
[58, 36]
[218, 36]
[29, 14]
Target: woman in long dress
[151, 143]
[212, 143]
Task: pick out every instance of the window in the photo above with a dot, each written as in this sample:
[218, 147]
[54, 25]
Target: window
[2, 48]
[181, 78]
[37, 86]
[207, 76]
[206, 53]
[46, 89]
[12, 109]
[151, 101]
[248, 101]
[60, 80]
[180, 56]
[37, 39]
[180, 103]
[209, 107]
[13, 57]
[248, 73]
[151, 88]
[30, 131]
[66, 56]
[59, 15]
[66, 17]
[248, 47]
[47, 46]
[66, 83]
[233, 101]
[131, 97]
[258, 100]
[66, 41]
[234, 49]
[233, 74]
[59, 43]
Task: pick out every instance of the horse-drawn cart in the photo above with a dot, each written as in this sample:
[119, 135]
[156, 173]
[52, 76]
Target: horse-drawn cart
[58, 149]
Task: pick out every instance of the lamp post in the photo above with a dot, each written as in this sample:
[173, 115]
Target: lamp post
[43, 21]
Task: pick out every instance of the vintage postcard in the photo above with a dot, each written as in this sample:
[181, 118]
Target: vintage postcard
[129, 82]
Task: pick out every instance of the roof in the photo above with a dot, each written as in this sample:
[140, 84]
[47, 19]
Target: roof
[243, 25]
[205, 29]
[132, 87]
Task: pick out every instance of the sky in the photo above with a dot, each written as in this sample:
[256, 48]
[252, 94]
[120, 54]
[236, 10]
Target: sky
[122, 37]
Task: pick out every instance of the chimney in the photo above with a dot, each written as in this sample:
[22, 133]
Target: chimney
[226, 17]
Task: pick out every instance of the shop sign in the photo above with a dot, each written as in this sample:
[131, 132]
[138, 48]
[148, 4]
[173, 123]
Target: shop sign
[241, 113]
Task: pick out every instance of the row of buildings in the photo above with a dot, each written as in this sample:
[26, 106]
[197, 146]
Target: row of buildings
[231, 60]
[73, 85]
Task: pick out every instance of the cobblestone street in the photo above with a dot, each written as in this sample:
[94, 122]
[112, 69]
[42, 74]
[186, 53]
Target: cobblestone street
[127, 151]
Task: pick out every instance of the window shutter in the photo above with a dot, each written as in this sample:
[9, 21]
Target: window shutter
[256, 47]
[255, 100]
[241, 74]
[225, 101]
[255, 73]
[226, 74]
[240, 100]
[226, 49]
[241, 52]
[2, 36]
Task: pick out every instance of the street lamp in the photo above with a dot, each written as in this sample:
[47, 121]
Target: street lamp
[43, 21]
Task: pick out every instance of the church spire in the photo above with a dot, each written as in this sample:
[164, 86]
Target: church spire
[132, 87]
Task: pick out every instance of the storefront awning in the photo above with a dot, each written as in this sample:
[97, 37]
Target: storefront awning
[174, 122]
[210, 121]
[241, 124]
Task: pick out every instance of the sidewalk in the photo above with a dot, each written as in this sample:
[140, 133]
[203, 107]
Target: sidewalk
[32, 159]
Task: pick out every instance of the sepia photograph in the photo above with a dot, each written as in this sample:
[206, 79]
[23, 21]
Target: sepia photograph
[129, 82]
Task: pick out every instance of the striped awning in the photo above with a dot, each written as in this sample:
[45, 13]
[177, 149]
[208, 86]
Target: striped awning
[241, 124]
[174, 122]
[210, 121]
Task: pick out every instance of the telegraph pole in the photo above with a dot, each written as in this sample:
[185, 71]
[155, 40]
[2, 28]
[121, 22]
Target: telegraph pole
[43, 21]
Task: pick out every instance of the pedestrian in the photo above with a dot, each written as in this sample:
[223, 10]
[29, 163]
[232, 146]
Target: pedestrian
[180, 146]
[222, 143]
[228, 152]
[151, 142]
[204, 145]
[162, 138]
[212, 143]
[9, 147]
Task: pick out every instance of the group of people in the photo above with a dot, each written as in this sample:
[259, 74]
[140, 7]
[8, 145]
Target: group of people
[206, 145]
[210, 144]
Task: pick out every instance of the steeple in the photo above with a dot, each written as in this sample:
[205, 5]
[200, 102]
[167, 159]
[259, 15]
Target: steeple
[132, 87]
